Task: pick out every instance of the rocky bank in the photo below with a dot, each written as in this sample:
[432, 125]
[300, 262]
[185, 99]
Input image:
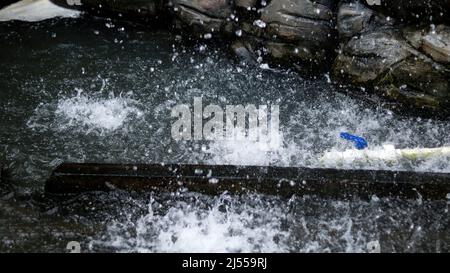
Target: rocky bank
[399, 49]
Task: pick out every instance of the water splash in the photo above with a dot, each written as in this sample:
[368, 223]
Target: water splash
[189, 222]
[247, 152]
[89, 113]
[222, 226]
[77, 128]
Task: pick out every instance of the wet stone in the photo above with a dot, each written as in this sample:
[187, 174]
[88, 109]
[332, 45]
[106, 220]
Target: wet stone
[203, 15]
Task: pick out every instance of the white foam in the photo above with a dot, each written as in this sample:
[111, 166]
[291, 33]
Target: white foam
[107, 114]
[187, 228]
[35, 10]
[387, 154]
[253, 224]
[248, 152]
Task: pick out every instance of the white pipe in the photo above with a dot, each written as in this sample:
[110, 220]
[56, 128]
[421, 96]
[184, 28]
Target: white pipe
[387, 153]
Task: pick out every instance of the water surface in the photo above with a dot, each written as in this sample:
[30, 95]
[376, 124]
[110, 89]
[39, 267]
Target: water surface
[101, 91]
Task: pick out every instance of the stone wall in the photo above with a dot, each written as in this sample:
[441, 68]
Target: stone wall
[403, 61]
[298, 32]
[399, 50]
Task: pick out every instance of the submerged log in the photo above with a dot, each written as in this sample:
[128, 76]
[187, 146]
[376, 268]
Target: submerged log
[214, 179]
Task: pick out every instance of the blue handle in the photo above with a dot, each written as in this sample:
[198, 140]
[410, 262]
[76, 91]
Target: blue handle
[360, 143]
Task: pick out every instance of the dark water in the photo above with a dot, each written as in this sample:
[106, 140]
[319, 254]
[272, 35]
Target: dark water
[102, 91]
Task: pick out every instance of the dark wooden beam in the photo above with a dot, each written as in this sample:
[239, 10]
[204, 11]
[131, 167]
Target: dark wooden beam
[71, 178]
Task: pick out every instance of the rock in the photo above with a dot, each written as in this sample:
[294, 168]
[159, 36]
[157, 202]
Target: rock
[245, 3]
[388, 62]
[364, 59]
[419, 82]
[244, 51]
[437, 44]
[402, 62]
[294, 54]
[295, 21]
[204, 15]
[246, 14]
[434, 42]
[414, 36]
[295, 26]
[415, 10]
[353, 18]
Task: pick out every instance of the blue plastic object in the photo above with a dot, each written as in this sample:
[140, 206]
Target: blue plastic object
[360, 143]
